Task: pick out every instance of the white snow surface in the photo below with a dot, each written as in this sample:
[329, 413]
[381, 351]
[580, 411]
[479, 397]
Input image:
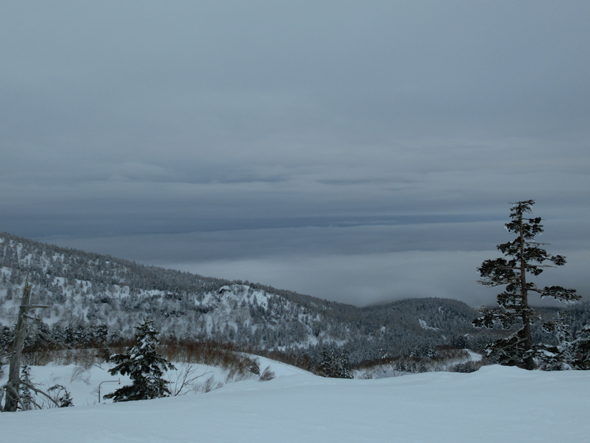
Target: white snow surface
[424, 325]
[495, 404]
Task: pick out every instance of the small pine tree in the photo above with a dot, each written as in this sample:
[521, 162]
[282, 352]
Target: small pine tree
[144, 366]
[524, 257]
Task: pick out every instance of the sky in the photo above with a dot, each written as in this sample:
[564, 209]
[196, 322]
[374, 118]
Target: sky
[355, 151]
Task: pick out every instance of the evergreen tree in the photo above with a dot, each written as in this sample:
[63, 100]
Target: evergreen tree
[523, 256]
[581, 349]
[144, 366]
[335, 364]
[572, 350]
[560, 356]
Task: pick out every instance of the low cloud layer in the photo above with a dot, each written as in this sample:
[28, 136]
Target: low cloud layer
[377, 278]
[360, 265]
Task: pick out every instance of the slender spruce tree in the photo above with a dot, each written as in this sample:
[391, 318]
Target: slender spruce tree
[522, 257]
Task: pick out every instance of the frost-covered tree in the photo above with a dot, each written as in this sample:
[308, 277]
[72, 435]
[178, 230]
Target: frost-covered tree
[335, 364]
[5, 339]
[572, 350]
[581, 349]
[144, 366]
[522, 257]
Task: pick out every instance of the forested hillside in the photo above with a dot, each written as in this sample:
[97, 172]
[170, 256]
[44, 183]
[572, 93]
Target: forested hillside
[94, 297]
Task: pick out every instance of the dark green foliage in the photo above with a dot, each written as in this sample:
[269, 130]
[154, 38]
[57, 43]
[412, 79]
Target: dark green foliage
[144, 366]
[522, 256]
[335, 364]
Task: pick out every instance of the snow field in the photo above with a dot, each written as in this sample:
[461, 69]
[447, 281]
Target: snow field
[495, 404]
[83, 383]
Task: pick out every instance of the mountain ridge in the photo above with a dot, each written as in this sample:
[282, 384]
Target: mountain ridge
[88, 290]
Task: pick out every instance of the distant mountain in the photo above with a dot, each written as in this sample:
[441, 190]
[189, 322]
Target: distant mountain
[87, 293]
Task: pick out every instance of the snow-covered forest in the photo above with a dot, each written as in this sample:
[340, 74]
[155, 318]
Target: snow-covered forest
[94, 298]
[97, 298]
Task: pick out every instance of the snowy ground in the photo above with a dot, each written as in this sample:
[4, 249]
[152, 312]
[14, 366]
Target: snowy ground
[84, 383]
[495, 404]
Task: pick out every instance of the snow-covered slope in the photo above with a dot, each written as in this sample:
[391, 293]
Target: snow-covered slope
[90, 294]
[495, 404]
[85, 384]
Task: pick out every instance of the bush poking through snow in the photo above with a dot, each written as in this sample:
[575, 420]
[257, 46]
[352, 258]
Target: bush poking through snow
[185, 380]
[467, 367]
[267, 374]
[61, 396]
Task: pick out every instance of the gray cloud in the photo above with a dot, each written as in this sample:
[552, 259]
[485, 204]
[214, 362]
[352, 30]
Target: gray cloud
[258, 128]
[361, 264]
[365, 279]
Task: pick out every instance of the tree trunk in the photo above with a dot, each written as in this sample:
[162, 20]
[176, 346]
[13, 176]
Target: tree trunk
[12, 387]
[529, 363]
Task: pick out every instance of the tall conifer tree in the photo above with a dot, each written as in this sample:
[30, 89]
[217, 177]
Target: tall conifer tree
[522, 257]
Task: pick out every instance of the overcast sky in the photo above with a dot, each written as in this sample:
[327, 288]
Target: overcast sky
[355, 151]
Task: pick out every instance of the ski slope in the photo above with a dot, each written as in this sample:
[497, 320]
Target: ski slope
[495, 404]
